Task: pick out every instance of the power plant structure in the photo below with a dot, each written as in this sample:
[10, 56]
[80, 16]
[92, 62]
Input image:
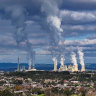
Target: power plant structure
[74, 61]
[76, 67]
[62, 66]
[22, 69]
[18, 68]
[82, 68]
[30, 66]
[55, 63]
[70, 68]
[31, 62]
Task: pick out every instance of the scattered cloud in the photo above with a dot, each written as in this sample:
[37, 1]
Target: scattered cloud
[77, 22]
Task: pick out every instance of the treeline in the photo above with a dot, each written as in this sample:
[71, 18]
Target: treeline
[41, 75]
[6, 92]
[47, 92]
[37, 75]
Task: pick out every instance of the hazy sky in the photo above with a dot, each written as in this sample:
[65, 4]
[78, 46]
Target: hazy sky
[75, 18]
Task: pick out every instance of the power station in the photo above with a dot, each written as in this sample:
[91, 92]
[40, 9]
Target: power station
[19, 68]
[63, 67]
[71, 68]
[55, 63]
[31, 62]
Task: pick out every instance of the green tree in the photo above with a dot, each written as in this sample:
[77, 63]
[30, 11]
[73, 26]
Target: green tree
[6, 93]
[83, 93]
[17, 82]
[67, 92]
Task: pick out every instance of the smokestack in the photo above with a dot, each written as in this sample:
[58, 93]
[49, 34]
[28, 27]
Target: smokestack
[81, 57]
[74, 61]
[55, 63]
[18, 69]
[33, 60]
[62, 64]
[29, 63]
[62, 60]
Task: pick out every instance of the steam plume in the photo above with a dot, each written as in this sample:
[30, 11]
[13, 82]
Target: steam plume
[53, 22]
[18, 13]
[81, 57]
[74, 61]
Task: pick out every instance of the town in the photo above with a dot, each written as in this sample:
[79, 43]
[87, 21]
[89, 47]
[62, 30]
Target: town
[47, 83]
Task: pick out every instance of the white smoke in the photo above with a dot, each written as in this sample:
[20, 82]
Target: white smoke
[81, 57]
[62, 60]
[73, 58]
[52, 22]
[18, 13]
[33, 61]
[29, 62]
[55, 22]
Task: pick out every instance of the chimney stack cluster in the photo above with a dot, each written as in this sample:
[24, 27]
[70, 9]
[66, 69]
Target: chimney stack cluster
[72, 68]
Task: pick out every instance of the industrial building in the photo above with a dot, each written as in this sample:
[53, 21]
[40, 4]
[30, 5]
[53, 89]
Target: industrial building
[63, 67]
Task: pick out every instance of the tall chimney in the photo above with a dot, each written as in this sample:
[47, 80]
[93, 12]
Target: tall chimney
[62, 60]
[18, 65]
[62, 64]
[33, 60]
[55, 63]
[29, 63]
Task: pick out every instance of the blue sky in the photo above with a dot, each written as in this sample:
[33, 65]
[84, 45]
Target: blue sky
[75, 18]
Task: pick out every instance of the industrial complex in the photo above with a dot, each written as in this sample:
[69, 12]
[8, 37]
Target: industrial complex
[63, 67]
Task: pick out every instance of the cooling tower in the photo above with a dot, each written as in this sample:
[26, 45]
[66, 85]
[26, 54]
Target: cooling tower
[81, 57]
[55, 63]
[62, 66]
[76, 67]
[29, 63]
[82, 68]
[33, 60]
[74, 61]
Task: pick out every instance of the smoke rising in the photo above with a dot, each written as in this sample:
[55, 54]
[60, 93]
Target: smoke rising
[52, 22]
[19, 11]
[73, 58]
[81, 57]
[17, 15]
[62, 60]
